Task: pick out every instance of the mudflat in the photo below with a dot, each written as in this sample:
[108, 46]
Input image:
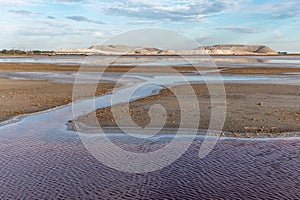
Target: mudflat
[253, 110]
[38, 67]
[35, 67]
[29, 96]
[260, 70]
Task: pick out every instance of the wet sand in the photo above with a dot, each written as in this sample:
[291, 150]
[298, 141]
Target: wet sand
[35, 67]
[253, 110]
[38, 67]
[259, 70]
[29, 96]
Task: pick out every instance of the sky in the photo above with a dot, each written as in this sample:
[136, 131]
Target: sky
[55, 24]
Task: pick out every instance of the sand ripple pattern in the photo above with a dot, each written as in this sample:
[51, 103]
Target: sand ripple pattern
[57, 166]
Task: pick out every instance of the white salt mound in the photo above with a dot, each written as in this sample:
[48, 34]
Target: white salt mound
[138, 50]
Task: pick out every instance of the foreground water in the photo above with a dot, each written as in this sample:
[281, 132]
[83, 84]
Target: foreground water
[55, 165]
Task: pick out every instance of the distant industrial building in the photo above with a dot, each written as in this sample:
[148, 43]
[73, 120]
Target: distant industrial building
[282, 53]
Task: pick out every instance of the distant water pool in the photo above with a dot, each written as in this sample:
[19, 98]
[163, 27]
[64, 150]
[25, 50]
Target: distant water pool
[233, 61]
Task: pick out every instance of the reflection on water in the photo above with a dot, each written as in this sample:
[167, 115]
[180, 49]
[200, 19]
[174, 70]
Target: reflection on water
[286, 61]
[274, 61]
[93, 77]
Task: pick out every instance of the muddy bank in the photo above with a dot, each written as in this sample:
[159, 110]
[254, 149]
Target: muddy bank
[259, 70]
[42, 67]
[252, 110]
[259, 109]
[29, 96]
[35, 67]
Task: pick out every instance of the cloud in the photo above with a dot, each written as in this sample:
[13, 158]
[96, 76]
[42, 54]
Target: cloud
[98, 34]
[54, 24]
[277, 6]
[239, 29]
[286, 15]
[83, 19]
[166, 10]
[22, 12]
[51, 17]
[202, 39]
[17, 3]
[277, 10]
[141, 22]
[7, 28]
[72, 1]
[277, 34]
[45, 30]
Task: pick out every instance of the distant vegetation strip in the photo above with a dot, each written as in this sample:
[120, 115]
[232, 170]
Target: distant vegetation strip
[22, 52]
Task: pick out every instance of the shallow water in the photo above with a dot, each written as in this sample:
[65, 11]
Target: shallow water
[227, 61]
[56, 165]
[93, 77]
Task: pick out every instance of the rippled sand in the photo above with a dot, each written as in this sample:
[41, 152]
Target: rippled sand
[52, 166]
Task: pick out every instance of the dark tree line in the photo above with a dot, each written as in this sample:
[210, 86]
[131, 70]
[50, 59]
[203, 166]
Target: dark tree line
[20, 52]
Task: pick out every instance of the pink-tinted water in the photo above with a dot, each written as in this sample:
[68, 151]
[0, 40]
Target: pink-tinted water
[57, 166]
